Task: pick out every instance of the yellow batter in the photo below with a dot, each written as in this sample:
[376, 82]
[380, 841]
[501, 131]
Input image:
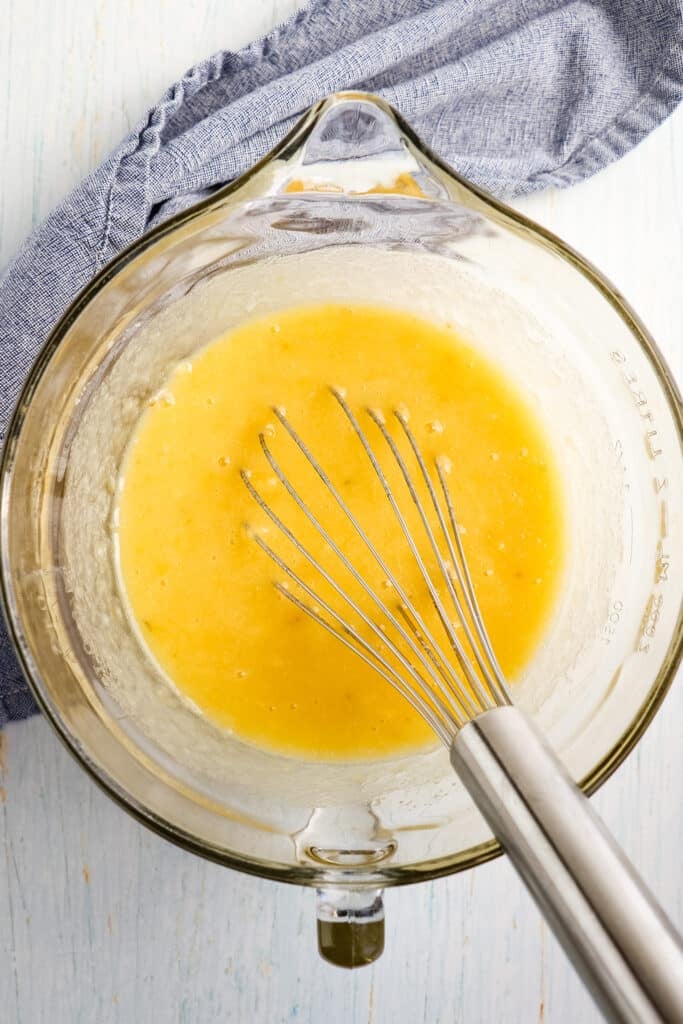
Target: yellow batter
[200, 589]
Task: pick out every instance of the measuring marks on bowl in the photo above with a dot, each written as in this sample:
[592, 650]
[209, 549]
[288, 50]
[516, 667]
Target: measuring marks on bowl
[655, 450]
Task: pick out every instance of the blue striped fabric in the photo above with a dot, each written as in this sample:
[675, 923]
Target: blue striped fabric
[516, 94]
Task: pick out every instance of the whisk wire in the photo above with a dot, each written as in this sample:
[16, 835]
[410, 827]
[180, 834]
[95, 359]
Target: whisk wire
[433, 593]
[456, 691]
[431, 685]
[460, 568]
[455, 708]
[497, 683]
[457, 647]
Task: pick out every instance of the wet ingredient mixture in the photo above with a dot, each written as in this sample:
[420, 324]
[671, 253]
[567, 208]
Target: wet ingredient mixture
[202, 593]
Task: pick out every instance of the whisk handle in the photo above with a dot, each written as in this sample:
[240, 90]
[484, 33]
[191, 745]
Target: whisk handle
[619, 939]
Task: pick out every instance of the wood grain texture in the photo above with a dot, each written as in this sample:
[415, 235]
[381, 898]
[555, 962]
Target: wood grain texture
[101, 922]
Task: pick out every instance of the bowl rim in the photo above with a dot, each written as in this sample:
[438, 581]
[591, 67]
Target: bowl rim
[301, 874]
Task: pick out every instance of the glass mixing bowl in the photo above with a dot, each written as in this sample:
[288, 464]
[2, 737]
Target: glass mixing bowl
[350, 207]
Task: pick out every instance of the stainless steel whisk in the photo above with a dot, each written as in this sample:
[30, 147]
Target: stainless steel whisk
[618, 938]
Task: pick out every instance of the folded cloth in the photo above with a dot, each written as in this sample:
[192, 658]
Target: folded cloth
[517, 96]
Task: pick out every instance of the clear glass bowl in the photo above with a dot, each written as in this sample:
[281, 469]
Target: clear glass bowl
[351, 207]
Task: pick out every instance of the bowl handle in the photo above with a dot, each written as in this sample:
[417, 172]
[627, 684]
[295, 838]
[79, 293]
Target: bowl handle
[350, 926]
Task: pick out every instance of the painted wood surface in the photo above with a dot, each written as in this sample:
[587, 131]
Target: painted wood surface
[101, 922]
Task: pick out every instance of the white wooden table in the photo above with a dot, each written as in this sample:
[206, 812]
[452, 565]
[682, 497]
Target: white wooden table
[101, 921]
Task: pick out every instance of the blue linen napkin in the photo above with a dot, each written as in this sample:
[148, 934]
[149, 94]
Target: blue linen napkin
[517, 95]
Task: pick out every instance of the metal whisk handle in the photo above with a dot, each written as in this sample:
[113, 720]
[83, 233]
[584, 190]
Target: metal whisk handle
[618, 938]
